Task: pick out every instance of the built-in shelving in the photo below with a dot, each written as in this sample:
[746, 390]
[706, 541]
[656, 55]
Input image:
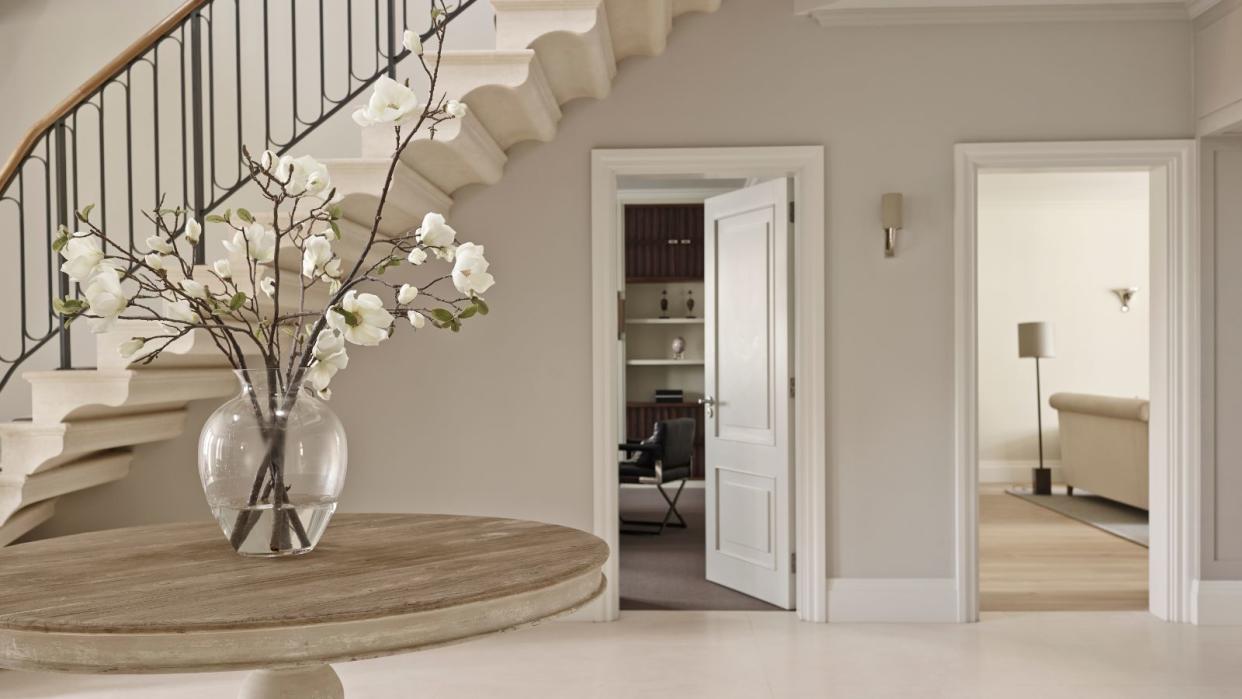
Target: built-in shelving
[664, 362]
[663, 321]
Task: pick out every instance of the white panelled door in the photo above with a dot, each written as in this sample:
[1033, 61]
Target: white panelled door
[748, 391]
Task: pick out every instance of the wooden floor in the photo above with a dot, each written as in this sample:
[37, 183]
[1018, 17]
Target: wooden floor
[1033, 559]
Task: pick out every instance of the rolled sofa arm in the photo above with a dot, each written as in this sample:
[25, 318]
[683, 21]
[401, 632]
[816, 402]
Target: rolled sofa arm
[1103, 406]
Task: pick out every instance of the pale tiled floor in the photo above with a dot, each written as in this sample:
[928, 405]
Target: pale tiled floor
[750, 655]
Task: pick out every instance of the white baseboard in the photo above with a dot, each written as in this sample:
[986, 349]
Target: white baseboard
[1217, 603]
[892, 600]
[1014, 471]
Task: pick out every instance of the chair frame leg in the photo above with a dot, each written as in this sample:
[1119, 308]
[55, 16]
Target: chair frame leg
[668, 514]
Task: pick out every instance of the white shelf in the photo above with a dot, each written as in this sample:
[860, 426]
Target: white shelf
[665, 362]
[663, 321]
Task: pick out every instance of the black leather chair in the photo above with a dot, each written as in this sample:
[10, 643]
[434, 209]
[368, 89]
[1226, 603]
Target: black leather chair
[664, 457]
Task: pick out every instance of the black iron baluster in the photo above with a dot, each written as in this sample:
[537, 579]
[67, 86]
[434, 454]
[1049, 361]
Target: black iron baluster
[392, 39]
[62, 218]
[196, 97]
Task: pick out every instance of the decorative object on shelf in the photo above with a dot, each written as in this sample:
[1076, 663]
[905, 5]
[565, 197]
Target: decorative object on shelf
[664, 303]
[689, 303]
[1036, 341]
[679, 347]
[669, 395]
[892, 219]
[1125, 296]
[273, 460]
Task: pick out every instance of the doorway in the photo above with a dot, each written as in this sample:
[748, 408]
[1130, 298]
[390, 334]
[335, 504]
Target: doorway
[791, 551]
[1173, 283]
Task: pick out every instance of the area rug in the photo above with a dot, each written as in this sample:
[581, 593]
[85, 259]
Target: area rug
[1129, 523]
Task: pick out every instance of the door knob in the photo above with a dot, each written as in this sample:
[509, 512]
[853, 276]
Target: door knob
[709, 403]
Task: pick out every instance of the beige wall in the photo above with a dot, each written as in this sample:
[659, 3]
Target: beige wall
[496, 420]
[1218, 68]
[1222, 479]
[1051, 247]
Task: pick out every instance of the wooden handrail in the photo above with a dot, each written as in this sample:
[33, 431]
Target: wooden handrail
[96, 81]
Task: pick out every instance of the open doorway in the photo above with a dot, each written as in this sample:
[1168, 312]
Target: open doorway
[762, 454]
[705, 509]
[1064, 387]
[1101, 435]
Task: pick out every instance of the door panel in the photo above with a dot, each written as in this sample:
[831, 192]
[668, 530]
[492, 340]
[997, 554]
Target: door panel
[748, 443]
[744, 395]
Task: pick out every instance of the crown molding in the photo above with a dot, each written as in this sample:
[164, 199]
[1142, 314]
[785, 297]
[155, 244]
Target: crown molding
[1198, 7]
[836, 13]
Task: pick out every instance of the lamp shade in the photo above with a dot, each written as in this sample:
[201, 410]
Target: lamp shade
[1036, 340]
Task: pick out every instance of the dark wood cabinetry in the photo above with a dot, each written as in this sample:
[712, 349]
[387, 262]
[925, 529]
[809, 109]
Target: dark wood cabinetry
[663, 242]
[641, 417]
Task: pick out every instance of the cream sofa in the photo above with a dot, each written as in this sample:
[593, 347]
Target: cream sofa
[1104, 445]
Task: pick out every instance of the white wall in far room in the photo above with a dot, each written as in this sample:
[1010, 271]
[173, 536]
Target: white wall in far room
[1052, 246]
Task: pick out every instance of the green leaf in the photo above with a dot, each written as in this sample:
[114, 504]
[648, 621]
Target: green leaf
[351, 318]
[68, 307]
[85, 214]
[469, 312]
[245, 215]
[481, 305]
[336, 230]
[334, 211]
[442, 315]
[237, 301]
[61, 240]
[216, 218]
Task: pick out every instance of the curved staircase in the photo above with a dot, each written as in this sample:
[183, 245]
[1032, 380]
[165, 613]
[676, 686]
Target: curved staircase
[86, 422]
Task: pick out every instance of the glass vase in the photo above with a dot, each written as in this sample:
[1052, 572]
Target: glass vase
[272, 462]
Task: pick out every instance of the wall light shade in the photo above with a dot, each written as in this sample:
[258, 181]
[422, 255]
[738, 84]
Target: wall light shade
[892, 219]
[1036, 340]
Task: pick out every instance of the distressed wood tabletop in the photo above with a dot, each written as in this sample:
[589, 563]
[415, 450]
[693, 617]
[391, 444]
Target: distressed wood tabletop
[178, 595]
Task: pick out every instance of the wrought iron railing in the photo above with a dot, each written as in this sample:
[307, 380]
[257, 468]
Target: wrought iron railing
[168, 118]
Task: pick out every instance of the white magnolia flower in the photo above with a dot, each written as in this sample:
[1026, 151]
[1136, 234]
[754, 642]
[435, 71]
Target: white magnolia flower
[179, 311]
[257, 242]
[367, 322]
[192, 231]
[470, 274]
[267, 285]
[330, 357]
[435, 232]
[317, 253]
[193, 289]
[223, 269]
[267, 159]
[391, 104]
[417, 256]
[131, 347]
[407, 293]
[412, 42]
[303, 175]
[455, 109]
[82, 254]
[105, 298]
[158, 244]
[417, 320]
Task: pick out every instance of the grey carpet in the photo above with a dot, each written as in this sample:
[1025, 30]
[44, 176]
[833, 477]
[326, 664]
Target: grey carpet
[1118, 519]
[667, 571]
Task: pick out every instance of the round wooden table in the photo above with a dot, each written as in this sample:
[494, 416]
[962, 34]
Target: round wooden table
[176, 598]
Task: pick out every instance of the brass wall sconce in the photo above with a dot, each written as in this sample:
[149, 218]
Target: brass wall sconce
[891, 216]
[1124, 296]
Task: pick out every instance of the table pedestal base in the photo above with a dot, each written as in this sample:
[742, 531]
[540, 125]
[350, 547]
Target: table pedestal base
[309, 682]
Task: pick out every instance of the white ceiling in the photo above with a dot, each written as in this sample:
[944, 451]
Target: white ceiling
[864, 12]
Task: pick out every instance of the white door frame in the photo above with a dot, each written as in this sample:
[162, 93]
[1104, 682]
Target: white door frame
[805, 164]
[1176, 360]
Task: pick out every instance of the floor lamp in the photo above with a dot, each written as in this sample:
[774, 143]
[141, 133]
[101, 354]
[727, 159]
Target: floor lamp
[1035, 340]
